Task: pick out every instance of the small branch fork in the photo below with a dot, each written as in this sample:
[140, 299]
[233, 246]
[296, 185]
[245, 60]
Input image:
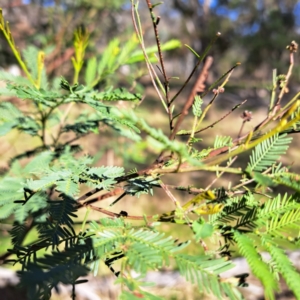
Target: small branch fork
[198, 88]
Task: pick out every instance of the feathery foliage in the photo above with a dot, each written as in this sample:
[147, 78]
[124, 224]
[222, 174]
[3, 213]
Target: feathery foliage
[268, 152]
[47, 192]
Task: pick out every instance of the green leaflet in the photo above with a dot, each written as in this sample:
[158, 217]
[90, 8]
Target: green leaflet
[197, 110]
[42, 96]
[280, 224]
[259, 268]
[11, 190]
[204, 271]
[277, 206]
[288, 179]
[11, 117]
[221, 141]
[30, 55]
[268, 152]
[138, 54]
[283, 264]
[119, 94]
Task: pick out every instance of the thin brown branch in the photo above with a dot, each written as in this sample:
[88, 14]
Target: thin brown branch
[241, 129]
[249, 181]
[89, 194]
[189, 189]
[115, 215]
[166, 217]
[219, 120]
[166, 189]
[118, 180]
[114, 192]
[283, 88]
[225, 75]
[276, 111]
[195, 68]
[155, 22]
[201, 80]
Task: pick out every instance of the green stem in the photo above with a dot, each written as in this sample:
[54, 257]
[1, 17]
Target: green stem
[5, 29]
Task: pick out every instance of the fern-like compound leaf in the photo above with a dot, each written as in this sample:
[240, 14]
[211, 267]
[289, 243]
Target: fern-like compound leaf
[268, 152]
[221, 141]
[258, 267]
[197, 111]
[283, 264]
[204, 271]
[280, 224]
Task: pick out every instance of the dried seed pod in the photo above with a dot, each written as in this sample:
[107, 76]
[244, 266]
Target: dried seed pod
[246, 116]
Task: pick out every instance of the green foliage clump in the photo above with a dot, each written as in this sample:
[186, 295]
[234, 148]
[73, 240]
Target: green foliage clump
[51, 190]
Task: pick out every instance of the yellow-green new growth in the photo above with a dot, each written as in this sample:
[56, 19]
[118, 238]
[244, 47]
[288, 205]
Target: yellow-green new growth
[81, 39]
[4, 27]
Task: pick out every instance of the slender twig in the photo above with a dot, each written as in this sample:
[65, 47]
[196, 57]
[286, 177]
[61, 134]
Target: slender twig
[201, 79]
[118, 199]
[241, 129]
[219, 120]
[102, 197]
[220, 79]
[62, 122]
[196, 67]
[256, 131]
[171, 196]
[115, 215]
[156, 169]
[189, 189]
[188, 168]
[43, 136]
[155, 23]
[151, 70]
[246, 117]
[283, 125]
[118, 180]
[250, 180]
[221, 174]
[89, 194]
[216, 94]
[288, 75]
[273, 95]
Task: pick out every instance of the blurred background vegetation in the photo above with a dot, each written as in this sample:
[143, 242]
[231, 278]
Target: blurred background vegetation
[254, 33]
